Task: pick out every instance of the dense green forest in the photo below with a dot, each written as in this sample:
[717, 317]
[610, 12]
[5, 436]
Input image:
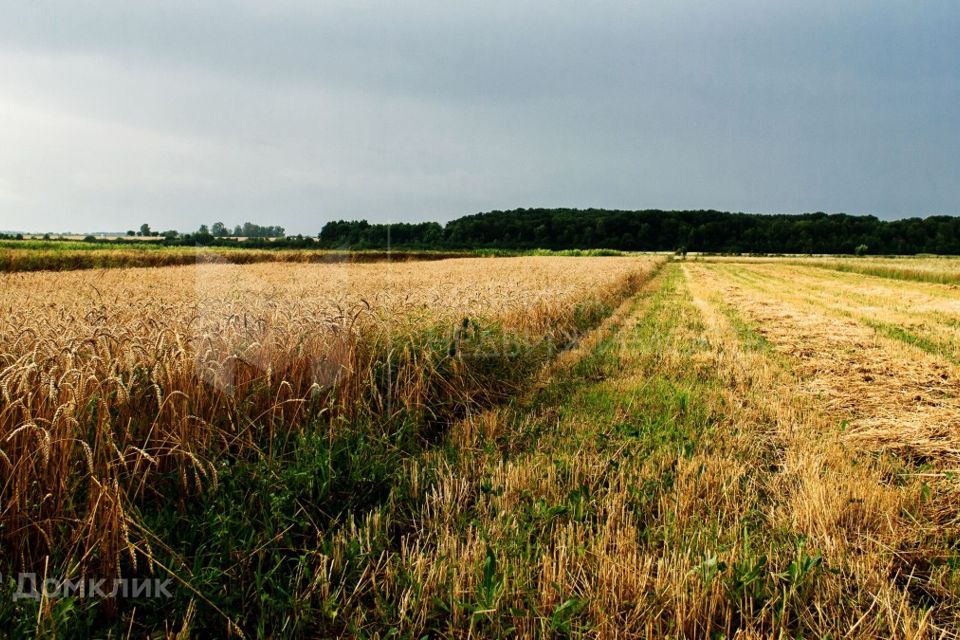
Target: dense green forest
[655, 230]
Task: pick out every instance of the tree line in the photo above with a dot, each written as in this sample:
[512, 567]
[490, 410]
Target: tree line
[657, 230]
[216, 230]
[563, 229]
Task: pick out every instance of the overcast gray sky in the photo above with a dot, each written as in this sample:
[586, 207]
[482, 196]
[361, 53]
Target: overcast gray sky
[114, 113]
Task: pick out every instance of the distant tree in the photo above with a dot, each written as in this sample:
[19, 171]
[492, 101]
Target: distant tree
[861, 249]
[171, 234]
[219, 230]
[203, 236]
[131, 232]
[251, 230]
[145, 230]
[89, 238]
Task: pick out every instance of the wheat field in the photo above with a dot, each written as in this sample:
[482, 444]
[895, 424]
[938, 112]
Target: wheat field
[598, 447]
[113, 381]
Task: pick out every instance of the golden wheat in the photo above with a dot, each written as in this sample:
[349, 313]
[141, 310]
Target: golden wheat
[113, 379]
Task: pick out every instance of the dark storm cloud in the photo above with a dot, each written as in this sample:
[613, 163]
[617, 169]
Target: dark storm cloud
[295, 113]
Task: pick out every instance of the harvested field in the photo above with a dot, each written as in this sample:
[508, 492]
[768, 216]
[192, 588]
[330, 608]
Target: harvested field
[942, 270]
[890, 441]
[896, 396]
[935, 269]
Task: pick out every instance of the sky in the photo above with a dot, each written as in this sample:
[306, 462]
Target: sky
[114, 113]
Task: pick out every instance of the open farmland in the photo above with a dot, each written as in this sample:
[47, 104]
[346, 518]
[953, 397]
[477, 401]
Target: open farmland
[497, 447]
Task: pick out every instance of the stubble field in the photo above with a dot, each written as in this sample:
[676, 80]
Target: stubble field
[501, 447]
